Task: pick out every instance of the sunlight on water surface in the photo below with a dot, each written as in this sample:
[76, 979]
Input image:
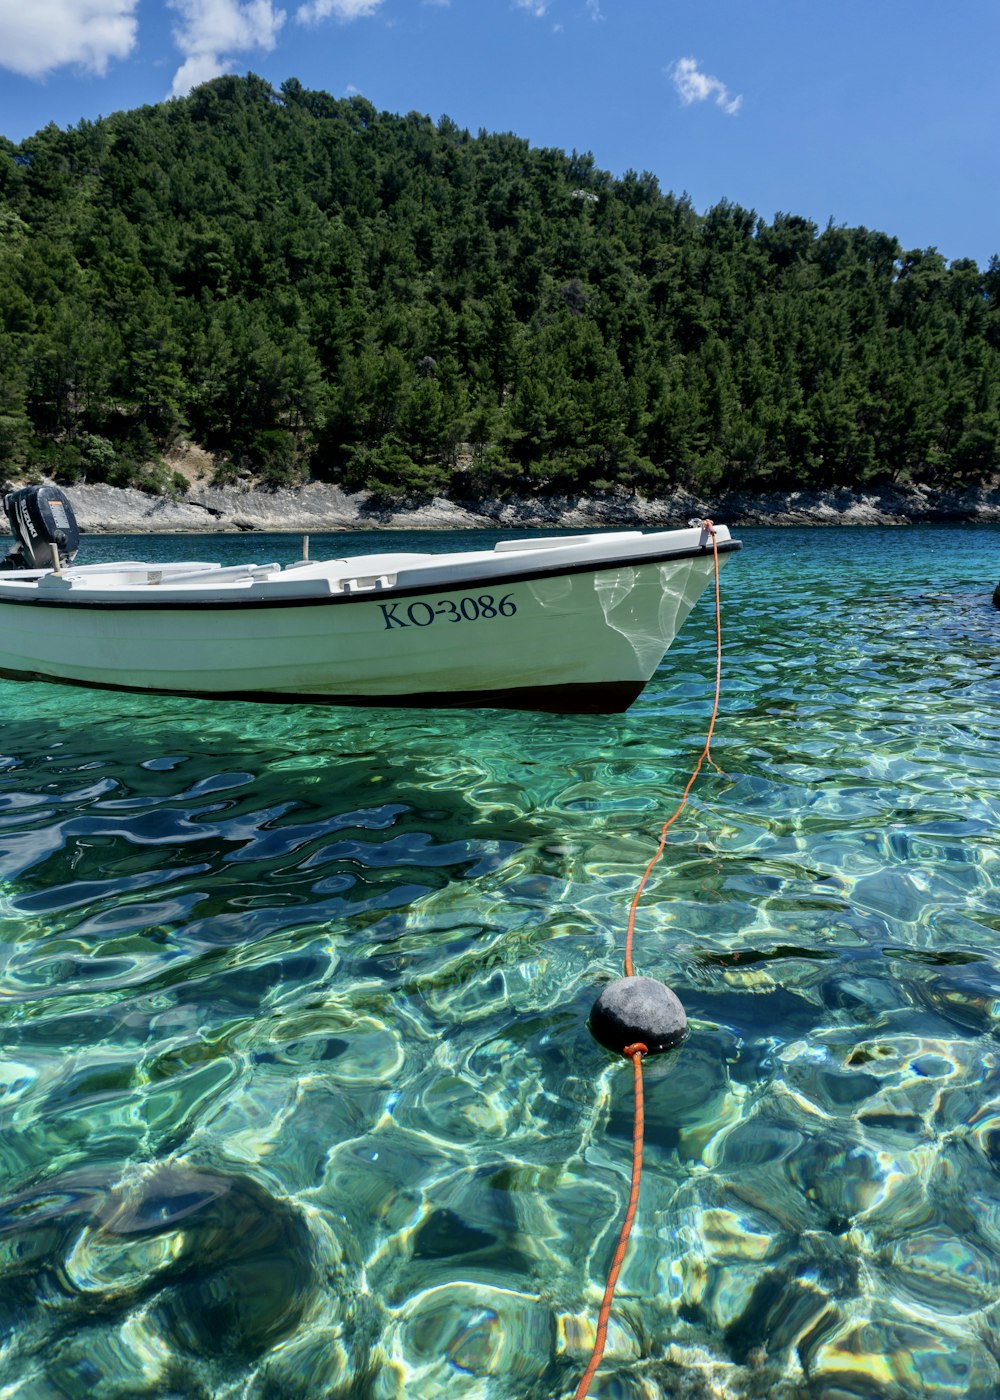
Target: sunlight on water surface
[297, 1092]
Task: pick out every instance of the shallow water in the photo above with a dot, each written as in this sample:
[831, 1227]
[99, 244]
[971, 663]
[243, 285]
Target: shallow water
[297, 1094]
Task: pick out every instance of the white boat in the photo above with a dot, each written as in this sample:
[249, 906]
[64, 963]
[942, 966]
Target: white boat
[572, 623]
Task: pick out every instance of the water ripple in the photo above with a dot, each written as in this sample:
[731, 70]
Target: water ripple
[297, 1093]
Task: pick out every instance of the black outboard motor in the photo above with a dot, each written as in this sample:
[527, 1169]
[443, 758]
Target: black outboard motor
[40, 517]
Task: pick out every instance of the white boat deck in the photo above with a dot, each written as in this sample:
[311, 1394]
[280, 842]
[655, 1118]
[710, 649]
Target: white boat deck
[132, 581]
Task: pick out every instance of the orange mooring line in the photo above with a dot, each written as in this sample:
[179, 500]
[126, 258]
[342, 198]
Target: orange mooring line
[636, 1052]
[705, 753]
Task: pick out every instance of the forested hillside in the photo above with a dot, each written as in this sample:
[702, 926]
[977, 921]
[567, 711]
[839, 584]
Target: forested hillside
[310, 288]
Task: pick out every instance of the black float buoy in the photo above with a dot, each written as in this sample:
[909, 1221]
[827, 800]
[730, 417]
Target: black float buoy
[638, 1010]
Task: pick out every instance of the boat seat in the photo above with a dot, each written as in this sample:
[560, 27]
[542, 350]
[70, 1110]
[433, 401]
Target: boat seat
[230, 574]
[558, 541]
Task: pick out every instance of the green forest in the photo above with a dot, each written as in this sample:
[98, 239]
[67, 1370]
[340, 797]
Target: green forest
[311, 289]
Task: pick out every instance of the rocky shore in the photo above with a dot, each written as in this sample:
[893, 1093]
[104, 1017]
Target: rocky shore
[322, 507]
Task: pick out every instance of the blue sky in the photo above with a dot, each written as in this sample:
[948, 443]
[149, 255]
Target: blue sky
[863, 111]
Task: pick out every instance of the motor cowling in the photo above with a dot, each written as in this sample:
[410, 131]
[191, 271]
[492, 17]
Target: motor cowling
[40, 517]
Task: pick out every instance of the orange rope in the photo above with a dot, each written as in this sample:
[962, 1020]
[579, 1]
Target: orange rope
[705, 753]
[636, 1052]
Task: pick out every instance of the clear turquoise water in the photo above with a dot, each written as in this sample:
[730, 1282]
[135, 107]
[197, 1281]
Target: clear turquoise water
[297, 1096]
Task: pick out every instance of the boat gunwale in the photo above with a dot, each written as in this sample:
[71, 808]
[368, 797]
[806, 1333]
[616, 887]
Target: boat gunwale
[79, 602]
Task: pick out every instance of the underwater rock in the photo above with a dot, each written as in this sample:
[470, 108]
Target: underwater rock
[576, 1336]
[720, 1246]
[228, 1268]
[891, 1358]
[115, 1364]
[249, 1273]
[967, 994]
[940, 1270]
[468, 1330]
[359, 1051]
[376, 1182]
[783, 1313]
[845, 1178]
[689, 1371]
[736, 1236]
[692, 1102]
[771, 1293]
[494, 1230]
[336, 1360]
[461, 1110]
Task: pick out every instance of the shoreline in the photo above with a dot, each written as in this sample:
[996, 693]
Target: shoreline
[321, 508]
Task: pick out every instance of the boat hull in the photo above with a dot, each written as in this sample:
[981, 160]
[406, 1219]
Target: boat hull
[587, 640]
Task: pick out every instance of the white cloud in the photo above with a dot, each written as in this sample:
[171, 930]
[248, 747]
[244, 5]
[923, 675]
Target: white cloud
[199, 68]
[39, 35]
[344, 10]
[536, 7]
[214, 30]
[695, 86]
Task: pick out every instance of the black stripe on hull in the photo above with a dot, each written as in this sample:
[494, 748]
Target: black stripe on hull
[591, 698]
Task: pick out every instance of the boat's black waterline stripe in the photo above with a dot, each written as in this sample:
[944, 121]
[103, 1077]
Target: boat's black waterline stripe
[586, 698]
